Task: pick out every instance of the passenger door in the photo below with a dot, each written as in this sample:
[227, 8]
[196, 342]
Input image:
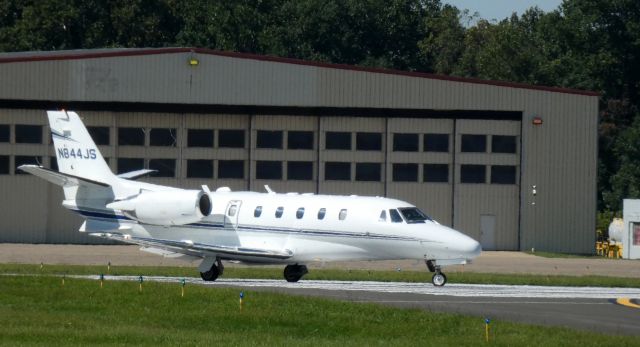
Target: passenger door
[232, 213]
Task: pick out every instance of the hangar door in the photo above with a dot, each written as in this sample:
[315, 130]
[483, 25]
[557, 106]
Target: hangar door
[486, 190]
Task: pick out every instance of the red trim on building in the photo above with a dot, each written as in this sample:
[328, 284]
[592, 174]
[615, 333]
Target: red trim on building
[72, 55]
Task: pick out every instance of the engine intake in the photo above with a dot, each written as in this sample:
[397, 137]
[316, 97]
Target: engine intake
[171, 207]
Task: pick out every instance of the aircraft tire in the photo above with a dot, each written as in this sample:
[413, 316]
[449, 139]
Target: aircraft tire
[439, 279]
[293, 273]
[210, 275]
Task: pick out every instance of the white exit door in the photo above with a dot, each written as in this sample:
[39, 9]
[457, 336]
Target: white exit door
[488, 232]
[233, 210]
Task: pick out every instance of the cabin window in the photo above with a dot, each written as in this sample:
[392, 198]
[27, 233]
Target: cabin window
[343, 214]
[383, 216]
[300, 213]
[100, 135]
[232, 210]
[395, 216]
[28, 133]
[279, 212]
[321, 213]
[257, 212]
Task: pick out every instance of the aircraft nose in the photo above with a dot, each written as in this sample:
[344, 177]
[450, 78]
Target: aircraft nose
[468, 247]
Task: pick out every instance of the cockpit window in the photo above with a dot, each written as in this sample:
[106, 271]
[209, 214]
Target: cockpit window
[383, 216]
[395, 216]
[414, 215]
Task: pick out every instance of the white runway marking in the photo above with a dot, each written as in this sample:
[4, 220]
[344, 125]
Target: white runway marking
[461, 290]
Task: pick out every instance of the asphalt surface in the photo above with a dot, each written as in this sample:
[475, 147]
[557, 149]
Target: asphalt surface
[488, 262]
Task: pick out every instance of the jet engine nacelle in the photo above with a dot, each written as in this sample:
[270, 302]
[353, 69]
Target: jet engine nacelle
[166, 207]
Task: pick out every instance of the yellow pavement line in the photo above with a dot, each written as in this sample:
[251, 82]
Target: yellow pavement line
[626, 302]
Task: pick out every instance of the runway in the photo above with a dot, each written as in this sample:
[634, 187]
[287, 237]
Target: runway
[587, 308]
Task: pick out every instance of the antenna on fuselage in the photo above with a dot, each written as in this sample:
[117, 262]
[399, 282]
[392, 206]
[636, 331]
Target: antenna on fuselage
[266, 187]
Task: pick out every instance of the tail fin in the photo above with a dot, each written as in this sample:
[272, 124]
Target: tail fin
[76, 152]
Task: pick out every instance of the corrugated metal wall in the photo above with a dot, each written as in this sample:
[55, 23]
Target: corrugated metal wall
[559, 156]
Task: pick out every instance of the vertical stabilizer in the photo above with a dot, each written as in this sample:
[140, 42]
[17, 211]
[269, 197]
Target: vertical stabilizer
[76, 153]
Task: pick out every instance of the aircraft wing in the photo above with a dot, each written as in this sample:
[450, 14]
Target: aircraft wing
[198, 249]
[58, 178]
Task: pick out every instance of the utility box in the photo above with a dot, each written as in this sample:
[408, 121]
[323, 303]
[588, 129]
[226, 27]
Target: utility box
[631, 234]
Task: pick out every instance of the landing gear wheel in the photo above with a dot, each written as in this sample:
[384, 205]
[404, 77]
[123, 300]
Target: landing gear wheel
[293, 273]
[439, 279]
[211, 275]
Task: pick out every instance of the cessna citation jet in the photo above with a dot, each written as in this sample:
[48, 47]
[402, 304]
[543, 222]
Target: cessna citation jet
[257, 228]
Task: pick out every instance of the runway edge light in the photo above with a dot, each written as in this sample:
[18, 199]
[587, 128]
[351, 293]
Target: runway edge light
[487, 321]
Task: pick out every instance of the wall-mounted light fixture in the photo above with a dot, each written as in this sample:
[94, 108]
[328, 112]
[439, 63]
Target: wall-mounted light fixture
[536, 120]
[193, 61]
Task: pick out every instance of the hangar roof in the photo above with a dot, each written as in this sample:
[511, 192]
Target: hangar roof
[13, 57]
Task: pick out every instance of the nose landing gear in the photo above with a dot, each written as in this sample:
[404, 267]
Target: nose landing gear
[439, 279]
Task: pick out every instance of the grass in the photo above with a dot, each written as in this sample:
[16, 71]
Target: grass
[331, 274]
[38, 310]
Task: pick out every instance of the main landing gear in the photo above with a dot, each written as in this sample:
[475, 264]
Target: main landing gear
[293, 273]
[212, 269]
[439, 279]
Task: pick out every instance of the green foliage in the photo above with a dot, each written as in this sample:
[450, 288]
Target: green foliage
[584, 44]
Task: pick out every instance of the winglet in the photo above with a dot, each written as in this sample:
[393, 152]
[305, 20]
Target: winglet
[266, 187]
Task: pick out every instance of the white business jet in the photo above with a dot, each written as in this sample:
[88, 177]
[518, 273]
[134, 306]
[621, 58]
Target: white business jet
[258, 228]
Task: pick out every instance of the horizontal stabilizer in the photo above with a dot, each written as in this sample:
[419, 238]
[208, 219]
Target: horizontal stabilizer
[133, 175]
[197, 249]
[59, 178]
